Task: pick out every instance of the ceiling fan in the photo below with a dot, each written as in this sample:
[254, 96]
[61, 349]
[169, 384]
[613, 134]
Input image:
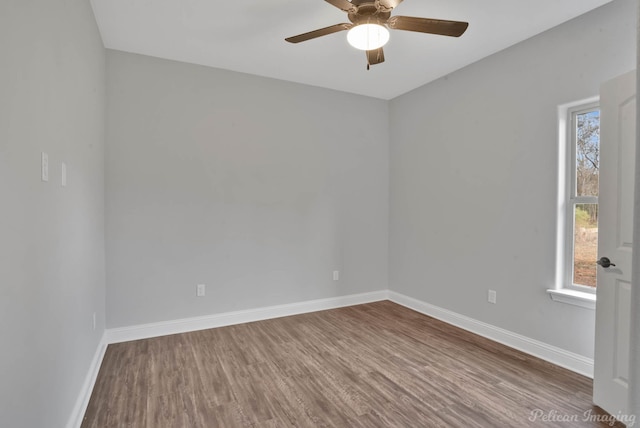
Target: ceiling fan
[370, 20]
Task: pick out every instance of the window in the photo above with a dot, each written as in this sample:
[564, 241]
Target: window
[579, 167]
[582, 197]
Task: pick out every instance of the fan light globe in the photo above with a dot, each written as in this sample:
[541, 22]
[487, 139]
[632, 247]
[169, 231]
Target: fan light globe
[367, 37]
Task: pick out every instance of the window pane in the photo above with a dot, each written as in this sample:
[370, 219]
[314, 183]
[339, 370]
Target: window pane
[587, 153]
[585, 244]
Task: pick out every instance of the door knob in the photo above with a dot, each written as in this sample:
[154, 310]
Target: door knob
[605, 262]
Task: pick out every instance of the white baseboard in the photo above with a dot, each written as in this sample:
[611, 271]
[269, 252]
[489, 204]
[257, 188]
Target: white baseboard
[552, 354]
[558, 356]
[555, 355]
[144, 331]
[87, 387]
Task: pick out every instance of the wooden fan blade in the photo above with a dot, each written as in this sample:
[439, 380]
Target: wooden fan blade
[342, 5]
[390, 4]
[425, 25]
[375, 56]
[318, 33]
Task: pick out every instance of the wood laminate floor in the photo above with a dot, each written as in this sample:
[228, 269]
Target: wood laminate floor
[373, 365]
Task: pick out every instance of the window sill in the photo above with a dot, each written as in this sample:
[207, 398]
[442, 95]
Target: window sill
[573, 297]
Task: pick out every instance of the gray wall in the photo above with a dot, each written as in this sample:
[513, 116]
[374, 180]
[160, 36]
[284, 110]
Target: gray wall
[52, 277]
[257, 188]
[473, 172]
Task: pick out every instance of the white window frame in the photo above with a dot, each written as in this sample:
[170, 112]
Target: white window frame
[573, 199]
[565, 290]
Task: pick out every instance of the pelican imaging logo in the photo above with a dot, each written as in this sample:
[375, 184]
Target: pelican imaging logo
[539, 415]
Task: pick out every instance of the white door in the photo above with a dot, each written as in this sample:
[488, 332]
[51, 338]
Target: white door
[615, 224]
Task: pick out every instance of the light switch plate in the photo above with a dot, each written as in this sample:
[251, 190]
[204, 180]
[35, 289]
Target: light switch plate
[63, 179]
[45, 167]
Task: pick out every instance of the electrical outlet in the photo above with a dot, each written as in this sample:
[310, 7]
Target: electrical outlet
[201, 290]
[492, 296]
[336, 275]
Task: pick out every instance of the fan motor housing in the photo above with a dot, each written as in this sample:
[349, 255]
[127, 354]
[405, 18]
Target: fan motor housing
[368, 12]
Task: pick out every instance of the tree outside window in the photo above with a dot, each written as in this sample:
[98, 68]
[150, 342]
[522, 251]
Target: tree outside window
[584, 200]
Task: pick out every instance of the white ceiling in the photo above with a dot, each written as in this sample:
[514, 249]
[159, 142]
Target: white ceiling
[248, 36]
